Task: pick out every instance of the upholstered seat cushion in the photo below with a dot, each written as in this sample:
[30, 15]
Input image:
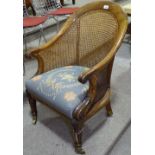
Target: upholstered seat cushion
[59, 88]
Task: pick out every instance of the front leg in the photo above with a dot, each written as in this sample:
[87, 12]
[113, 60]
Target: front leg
[77, 137]
[33, 107]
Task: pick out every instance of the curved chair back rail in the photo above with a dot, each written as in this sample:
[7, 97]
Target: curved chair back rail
[90, 37]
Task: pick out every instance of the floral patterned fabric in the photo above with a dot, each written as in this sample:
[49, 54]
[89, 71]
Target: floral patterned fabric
[60, 88]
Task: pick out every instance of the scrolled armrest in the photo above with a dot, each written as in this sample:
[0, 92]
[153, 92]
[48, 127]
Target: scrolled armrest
[99, 82]
[36, 51]
[84, 77]
[31, 52]
[51, 42]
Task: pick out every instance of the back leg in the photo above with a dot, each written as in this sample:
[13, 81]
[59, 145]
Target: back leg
[109, 109]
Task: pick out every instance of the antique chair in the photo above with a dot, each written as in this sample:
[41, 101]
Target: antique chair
[74, 67]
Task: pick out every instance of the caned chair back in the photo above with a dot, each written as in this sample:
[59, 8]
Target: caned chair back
[87, 37]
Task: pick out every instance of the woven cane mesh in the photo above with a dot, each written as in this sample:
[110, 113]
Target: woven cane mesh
[92, 58]
[85, 43]
[97, 32]
[63, 52]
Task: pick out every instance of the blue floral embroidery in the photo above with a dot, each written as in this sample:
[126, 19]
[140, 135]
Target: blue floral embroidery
[60, 88]
[69, 96]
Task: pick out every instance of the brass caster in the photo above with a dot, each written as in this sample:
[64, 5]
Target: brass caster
[109, 113]
[34, 120]
[79, 150]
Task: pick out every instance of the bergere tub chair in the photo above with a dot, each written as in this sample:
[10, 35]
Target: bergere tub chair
[74, 67]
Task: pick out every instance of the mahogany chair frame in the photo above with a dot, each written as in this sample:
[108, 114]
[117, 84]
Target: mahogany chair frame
[98, 95]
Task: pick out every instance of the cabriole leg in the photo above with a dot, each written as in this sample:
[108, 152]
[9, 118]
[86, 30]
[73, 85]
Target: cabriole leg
[77, 137]
[109, 109]
[33, 107]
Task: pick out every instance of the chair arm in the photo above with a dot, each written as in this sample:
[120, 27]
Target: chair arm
[52, 41]
[96, 91]
[44, 54]
[98, 86]
[84, 77]
[30, 52]
[35, 51]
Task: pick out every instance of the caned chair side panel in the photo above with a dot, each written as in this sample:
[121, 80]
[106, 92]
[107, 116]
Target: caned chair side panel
[63, 52]
[98, 29]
